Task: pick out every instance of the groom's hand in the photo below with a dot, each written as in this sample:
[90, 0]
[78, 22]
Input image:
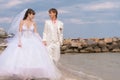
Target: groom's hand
[45, 43]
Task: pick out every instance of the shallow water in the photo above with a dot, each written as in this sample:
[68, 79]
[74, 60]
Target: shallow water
[103, 65]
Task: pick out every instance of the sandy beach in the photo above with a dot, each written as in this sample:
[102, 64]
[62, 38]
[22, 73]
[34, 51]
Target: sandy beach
[103, 65]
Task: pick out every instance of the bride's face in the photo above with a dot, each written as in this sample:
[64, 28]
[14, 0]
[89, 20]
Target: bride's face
[31, 16]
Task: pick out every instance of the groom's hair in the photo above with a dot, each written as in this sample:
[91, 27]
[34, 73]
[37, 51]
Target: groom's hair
[54, 11]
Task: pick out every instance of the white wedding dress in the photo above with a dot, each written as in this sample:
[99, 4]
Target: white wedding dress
[31, 60]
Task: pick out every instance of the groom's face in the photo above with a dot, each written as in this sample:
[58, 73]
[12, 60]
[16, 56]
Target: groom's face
[52, 14]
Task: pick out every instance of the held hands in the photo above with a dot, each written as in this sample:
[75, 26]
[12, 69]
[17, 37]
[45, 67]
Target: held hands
[19, 45]
[45, 43]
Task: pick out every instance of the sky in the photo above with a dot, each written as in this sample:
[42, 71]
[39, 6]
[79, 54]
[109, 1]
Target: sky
[81, 18]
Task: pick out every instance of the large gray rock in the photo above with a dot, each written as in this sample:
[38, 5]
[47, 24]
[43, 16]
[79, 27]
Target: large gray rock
[76, 50]
[3, 42]
[90, 42]
[101, 44]
[89, 49]
[69, 51]
[115, 39]
[108, 40]
[64, 48]
[84, 51]
[104, 49]
[3, 33]
[97, 49]
[116, 50]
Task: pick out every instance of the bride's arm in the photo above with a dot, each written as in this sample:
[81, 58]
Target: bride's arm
[35, 31]
[45, 33]
[19, 34]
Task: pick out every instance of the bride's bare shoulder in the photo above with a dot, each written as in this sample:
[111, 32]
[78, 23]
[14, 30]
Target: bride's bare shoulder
[22, 22]
[34, 23]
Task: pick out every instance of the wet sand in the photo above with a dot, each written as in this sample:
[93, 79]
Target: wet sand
[103, 65]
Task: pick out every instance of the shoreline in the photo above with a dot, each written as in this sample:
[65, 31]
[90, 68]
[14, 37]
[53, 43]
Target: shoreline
[102, 65]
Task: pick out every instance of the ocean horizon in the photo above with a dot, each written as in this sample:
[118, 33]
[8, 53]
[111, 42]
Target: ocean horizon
[82, 32]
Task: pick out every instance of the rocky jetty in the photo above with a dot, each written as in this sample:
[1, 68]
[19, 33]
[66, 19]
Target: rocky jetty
[3, 36]
[91, 45]
[3, 33]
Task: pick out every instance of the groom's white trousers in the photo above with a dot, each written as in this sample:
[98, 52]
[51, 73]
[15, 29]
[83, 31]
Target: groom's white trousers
[54, 51]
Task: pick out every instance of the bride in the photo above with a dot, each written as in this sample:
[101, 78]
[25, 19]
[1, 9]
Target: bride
[25, 55]
[27, 58]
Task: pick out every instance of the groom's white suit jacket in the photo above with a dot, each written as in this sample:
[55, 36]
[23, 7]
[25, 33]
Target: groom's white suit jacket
[48, 34]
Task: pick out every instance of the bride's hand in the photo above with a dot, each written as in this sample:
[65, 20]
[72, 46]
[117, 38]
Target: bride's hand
[19, 45]
[44, 42]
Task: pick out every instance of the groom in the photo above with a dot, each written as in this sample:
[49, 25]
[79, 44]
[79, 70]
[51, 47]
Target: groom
[53, 35]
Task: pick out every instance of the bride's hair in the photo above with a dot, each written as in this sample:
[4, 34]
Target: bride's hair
[54, 11]
[29, 11]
